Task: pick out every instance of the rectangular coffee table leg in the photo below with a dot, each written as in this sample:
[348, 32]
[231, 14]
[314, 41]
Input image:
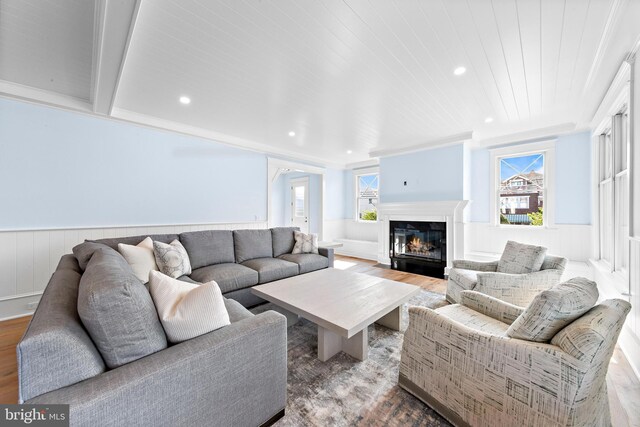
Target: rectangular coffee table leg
[358, 345]
[330, 344]
[392, 320]
[292, 318]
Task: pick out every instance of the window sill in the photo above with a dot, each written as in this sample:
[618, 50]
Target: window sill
[525, 227]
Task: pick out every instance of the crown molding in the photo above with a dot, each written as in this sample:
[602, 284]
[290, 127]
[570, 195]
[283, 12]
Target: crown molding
[434, 143]
[529, 135]
[168, 125]
[40, 96]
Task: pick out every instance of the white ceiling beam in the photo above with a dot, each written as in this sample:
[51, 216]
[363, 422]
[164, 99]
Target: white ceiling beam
[114, 24]
[435, 143]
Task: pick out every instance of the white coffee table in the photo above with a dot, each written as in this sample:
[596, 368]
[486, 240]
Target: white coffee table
[342, 303]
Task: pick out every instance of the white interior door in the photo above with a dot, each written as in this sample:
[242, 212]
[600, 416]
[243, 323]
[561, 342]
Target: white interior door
[300, 204]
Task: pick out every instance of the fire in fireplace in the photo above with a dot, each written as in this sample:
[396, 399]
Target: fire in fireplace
[418, 246]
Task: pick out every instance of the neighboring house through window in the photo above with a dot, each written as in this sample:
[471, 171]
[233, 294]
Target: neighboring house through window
[522, 181]
[367, 185]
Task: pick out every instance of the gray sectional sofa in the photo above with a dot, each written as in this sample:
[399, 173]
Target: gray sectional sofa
[236, 375]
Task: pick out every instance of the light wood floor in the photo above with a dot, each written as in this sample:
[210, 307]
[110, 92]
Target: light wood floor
[624, 387]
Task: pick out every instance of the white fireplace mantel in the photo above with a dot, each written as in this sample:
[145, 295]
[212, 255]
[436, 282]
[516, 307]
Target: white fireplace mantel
[449, 211]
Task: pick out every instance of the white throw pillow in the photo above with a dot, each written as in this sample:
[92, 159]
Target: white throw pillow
[305, 243]
[172, 259]
[140, 258]
[187, 310]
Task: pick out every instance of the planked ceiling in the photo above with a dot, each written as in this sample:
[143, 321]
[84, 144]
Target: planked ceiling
[48, 45]
[344, 75]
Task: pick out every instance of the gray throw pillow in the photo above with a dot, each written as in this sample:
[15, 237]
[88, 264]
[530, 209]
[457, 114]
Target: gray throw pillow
[553, 309]
[518, 258]
[84, 251]
[172, 259]
[117, 310]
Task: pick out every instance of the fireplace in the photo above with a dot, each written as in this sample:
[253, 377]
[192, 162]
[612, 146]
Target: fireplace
[418, 247]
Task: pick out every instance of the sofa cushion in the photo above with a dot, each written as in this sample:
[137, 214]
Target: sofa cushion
[112, 242]
[465, 278]
[251, 244]
[283, 240]
[474, 320]
[307, 262]
[229, 277]
[187, 310]
[84, 251]
[518, 258]
[117, 310]
[187, 279]
[553, 309]
[140, 258]
[172, 259]
[270, 269]
[208, 247]
[56, 350]
[593, 332]
[236, 311]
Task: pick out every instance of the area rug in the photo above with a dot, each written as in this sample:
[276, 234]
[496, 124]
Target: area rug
[347, 392]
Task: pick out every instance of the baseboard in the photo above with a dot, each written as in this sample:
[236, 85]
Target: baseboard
[357, 254]
[19, 305]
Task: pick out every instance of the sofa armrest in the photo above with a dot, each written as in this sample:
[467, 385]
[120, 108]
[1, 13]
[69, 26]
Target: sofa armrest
[462, 367]
[236, 375]
[492, 307]
[517, 289]
[475, 265]
[328, 253]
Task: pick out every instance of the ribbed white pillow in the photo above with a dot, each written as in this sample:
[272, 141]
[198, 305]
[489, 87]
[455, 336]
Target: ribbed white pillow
[140, 258]
[187, 310]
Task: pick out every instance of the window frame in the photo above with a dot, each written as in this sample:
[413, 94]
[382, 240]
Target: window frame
[548, 147]
[357, 173]
[612, 250]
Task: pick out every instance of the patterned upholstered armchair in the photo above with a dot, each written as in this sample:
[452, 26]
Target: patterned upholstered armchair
[522, 272]
[459, 360]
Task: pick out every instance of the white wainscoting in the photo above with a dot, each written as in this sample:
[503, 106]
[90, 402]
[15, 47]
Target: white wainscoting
[29, 257]
[359, 239]
[570, 241]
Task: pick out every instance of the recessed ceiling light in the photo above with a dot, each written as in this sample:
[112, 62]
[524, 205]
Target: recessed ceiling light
[459, 71]
[292, 133]
[488, 120]
[349, 151]
[185, 100]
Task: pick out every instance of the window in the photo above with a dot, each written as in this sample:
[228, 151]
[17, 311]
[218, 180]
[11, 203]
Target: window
[522, 190]
[367, 185]
[613, 193]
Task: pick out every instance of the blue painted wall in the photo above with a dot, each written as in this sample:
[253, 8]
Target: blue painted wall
[65, 169]
[573, 178]
[430, 175]
[335, 195]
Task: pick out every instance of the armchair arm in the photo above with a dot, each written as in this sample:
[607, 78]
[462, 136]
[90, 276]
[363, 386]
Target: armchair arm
[517, 289]
[461, 367]
[202, 381]
[475, 265]
[492, 307]
[328, 253]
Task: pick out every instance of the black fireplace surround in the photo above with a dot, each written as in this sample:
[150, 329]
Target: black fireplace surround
[418, 247]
